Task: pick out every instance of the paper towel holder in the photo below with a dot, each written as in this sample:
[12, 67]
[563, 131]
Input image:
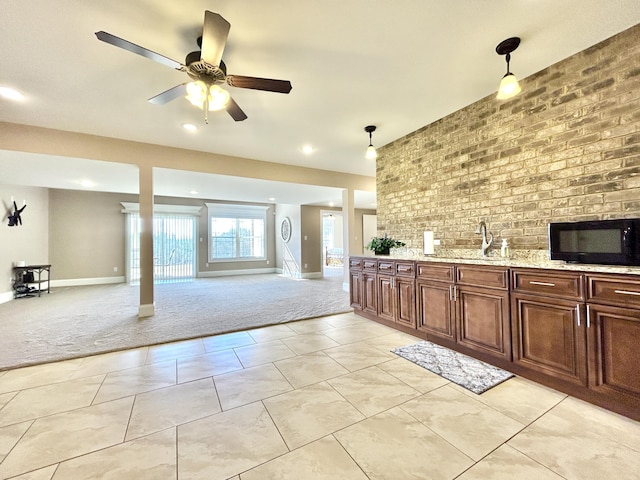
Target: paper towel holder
[428, 243]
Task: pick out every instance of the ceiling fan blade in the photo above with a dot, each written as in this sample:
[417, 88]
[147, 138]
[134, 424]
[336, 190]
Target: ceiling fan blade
[132, 47]
[235, 111]
[214, 37]
[255, 83]
[168, 95]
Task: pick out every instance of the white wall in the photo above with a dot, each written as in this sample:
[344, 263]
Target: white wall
[28, 242]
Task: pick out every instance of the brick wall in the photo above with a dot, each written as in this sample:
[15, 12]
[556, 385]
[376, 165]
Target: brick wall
[567, 148]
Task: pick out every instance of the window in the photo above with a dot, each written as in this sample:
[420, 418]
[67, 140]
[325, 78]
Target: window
[237, 232]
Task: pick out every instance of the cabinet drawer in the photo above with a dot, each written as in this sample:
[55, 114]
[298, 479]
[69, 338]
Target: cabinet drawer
[386, 266]
[569, 285]
[405, 269]
[369, 265]
[435, 271]
[614, 290]
[491, 277]
[355, 263]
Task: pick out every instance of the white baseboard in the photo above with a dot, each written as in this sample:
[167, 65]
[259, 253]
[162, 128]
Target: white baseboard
[311, 275]
[74, 282]
[224, 273]
[146, 310]
[6, 297]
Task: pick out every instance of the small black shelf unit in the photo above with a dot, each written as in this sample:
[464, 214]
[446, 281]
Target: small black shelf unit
[31, 280]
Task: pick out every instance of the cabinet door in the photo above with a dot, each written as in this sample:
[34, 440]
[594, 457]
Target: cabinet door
[369, 294]
[405, 289]
[385, 298]
[483, 320]
[355, 289]
[435, 315]
[613, 340]
[549, 337]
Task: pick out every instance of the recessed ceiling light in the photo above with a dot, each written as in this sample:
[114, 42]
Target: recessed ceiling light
[87, 183]
[331, 204]
[190, 127]
[10, 94]
[193, 192]
[272, 199]
[307, 149]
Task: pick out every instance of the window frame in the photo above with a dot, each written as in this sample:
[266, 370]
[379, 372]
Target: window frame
[234, 211]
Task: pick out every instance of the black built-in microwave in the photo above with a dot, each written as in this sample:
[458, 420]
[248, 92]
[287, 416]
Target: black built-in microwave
[608, 242]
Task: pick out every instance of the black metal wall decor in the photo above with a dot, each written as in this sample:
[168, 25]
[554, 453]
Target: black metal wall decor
[14, 218]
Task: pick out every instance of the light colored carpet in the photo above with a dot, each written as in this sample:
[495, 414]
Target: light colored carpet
[76, 321]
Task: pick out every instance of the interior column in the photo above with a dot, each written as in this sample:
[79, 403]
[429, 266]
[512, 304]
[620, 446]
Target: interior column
[147, 305]
[349, 233]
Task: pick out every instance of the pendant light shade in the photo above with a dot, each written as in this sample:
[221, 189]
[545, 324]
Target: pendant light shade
[371, 154]
[509, 86]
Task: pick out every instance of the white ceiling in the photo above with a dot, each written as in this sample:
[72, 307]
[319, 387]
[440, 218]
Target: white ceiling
[399, 65]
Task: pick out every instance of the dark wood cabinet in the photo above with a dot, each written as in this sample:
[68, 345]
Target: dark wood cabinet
[465, 304]
[434, 298]
[369, 293]
[436, 315]
[481, 294]
[613, 338]
[613, 342]
[483, 320]
[405, 296]
[355, 289]
[386, 310]
[396, 292]
[549, 337]
[548, 324]
[574, 331]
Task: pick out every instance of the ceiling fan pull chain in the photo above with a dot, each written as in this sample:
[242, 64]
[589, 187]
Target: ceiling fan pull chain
[206, 109]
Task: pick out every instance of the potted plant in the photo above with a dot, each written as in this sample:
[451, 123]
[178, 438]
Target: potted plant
[382, 245]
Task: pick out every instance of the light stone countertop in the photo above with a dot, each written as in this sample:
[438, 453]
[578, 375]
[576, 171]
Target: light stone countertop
[517, 259]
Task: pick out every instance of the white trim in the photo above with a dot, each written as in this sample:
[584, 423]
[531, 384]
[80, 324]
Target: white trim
[345, 286]
[233, 210]
[146, 310]
[74, 282]
[130, 207]
[312, 275]
[224, 273]
[6, 297]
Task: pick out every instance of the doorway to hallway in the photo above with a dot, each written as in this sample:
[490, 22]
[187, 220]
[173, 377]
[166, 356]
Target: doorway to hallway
[332, 242]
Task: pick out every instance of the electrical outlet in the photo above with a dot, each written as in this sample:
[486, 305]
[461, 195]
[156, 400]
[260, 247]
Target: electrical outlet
[305, 265]
[267, 262]
[206, 264]
[436, 242]
[115, 269]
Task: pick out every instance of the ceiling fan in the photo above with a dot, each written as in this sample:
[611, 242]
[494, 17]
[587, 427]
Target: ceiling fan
[207, 70]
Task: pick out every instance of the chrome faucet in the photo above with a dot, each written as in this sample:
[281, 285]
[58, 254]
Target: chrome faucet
[482, 229]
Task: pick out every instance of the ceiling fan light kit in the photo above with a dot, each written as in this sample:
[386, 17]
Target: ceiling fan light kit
[206, 69]
[509, 86]
[371, 154]
[207, 97]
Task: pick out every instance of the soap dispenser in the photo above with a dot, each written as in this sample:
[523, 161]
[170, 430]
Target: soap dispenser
[504, 248]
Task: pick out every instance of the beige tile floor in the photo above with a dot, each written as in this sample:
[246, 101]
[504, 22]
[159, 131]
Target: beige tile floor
[316, 399]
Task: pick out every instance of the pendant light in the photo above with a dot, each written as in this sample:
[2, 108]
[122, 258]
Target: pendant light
[509, 86]
[371, 150]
